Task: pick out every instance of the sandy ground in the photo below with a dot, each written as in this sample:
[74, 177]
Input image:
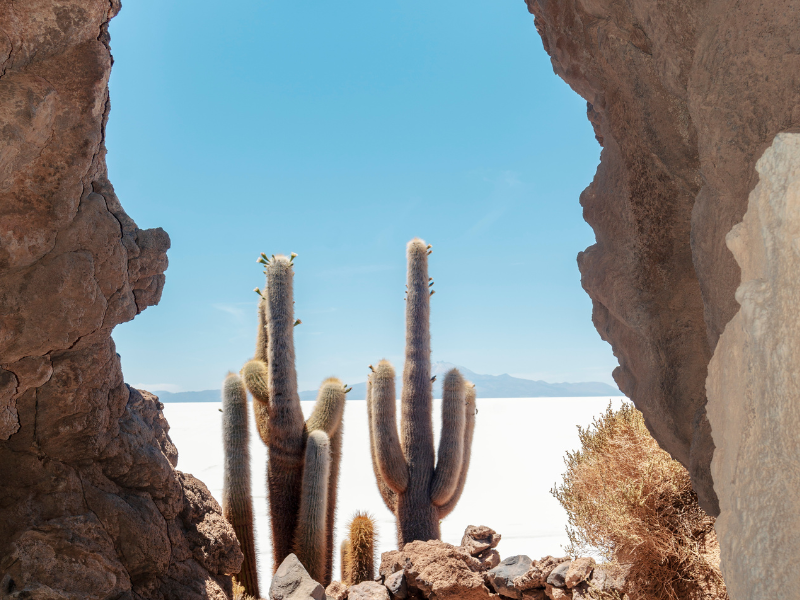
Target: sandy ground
[517, 457]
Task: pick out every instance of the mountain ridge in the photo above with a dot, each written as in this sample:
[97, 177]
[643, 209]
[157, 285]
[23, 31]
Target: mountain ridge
[488, 386]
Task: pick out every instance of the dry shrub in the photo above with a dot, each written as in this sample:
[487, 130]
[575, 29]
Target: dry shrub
[239, 592]
[629, 501]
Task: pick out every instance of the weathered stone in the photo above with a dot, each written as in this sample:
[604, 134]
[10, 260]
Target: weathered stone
[582, 591]
[609, 578]
[752, 386]
[501, 578]
[336, 590]
[367, 590]
[488, 559]
[292, 582]
[579, 570]
[438, 570]
[557, 593]
[537, 574]
[558, 575]
[478, 539]
[534, 594]
[397, 586]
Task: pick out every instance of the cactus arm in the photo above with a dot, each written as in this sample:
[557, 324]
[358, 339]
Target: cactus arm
[329, 408]
[469, 430]
[262, 335]
[451, 442]
[310, 540]
[388, 496]
[362, 548]
[237, 500]
[388, 453]
[255, 376]
[417, 398]
[333, 493]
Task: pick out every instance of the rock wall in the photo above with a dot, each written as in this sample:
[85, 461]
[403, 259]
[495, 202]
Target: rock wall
[91, 505]
[685, 98]
[753, 387]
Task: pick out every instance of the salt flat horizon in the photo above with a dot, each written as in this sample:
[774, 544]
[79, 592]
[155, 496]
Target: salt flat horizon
[517, 457]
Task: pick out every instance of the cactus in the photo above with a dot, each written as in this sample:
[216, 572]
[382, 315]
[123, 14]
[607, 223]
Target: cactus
[303, 457]
[344, 561]
[417, 488]
[361, 549]
[237, 502]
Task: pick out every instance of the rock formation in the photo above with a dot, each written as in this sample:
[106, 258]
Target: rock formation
[684, 98]
[753, 386]
[91, 504]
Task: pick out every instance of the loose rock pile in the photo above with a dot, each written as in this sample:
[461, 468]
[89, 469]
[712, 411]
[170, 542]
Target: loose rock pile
[435, 570]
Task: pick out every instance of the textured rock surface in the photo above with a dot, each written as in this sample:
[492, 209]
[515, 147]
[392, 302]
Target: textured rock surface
[437, 570]
[292, 582]
[367, 590]
[753, 387]
[91, 504]
[502, 577]
[684, 97]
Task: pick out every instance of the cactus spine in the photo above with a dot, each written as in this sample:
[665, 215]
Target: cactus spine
[237, 502]
[361, 549]
[303, 457]
[419, 490]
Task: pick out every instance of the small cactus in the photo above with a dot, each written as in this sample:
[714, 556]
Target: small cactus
[237, 501]
[344, 561]
[361, 549]
[419, 489]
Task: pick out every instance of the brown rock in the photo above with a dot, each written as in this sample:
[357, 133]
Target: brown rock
[437, 570]
[537, 574]
[336, 590]
[292, 582]
[579, 570]
[478, 539]
[534, 594]
[368, 590]
[488, 559]
[556, 593]
[397, 586]
[609, 578]
[97, 508]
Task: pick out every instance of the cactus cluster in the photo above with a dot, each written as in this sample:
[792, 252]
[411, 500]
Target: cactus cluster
[420, 488]
[303, 456]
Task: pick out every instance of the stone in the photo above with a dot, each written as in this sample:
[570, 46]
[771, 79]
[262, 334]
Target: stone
[557, 577]
[501, 578]
[537, 574]
[609, 578]
[435, 569]
[534, 594]
[579, 570]
[582, 591]
[368, 590]
[488, 559]
[292, 582]
[478, 539]
[397, 586]
[752, 383]
[336, 590]
[557, 593]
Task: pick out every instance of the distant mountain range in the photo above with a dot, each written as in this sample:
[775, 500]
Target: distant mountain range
[488, 386]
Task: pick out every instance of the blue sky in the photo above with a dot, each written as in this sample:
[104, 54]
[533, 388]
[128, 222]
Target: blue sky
[339, 132]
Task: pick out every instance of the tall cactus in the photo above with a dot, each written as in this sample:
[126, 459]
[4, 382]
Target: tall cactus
[417, 488]
[237, 501]
[303, 457]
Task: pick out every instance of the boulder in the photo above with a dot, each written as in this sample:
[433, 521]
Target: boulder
[537, 574]
[579, 570]
[437, 570]
[488, 559]
[558, 575]
[368, 590]
[534, 594]
[609, 578]
[336, 591]
[478, 539]
[397, 586]
[501, 578]
[292, 582]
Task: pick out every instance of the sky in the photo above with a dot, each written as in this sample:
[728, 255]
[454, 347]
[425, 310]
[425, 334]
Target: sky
[339, 132]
